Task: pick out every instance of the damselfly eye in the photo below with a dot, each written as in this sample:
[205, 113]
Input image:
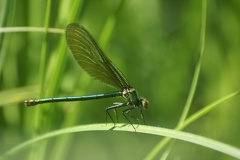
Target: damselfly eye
[145, 103]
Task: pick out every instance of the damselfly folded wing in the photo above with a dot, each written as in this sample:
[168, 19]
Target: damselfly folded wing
[91, 57]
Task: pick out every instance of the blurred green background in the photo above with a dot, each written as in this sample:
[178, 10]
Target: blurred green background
[154, 43]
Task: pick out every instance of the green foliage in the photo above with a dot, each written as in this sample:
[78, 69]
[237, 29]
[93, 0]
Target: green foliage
[156, 44]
